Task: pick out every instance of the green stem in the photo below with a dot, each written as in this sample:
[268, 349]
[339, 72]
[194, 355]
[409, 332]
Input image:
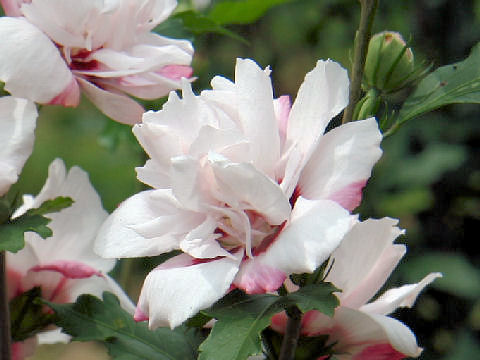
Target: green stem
[292, 333]
[367, 14]
[5, 338]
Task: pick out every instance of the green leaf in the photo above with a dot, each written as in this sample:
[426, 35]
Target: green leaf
[460, 277]
[52, 206]
[241, 318]
[5, 209]
[450, 84]
[315, 297]
[27, 315]
[241, 12]
[93, 319]
[200, 24]
[12, 233]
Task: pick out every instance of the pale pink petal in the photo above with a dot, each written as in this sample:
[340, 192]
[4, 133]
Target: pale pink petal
[30, 64]
[23, 349]
[257, 116]
[176, 72]
[188, 183]
[314, 230]
[342, 163]
[403, 296]
[242, 185]
[365, 259]
[170, 295]
[282, 107]
[69, 268]
[355, 332]
[17, 125]
[229, 142]
[323, 94]
[350, 196]
[255, 277]
[201, 242]
[70, 96]
[74, 228]
[119, 107]
[70, 23]
[146, 224]
[180, 118]
[11, 7]
[139, 59]
[154, 175]
[161, 144]
[379, 352]
[144, 86]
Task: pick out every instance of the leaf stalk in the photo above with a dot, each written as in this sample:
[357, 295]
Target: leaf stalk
[292, 333]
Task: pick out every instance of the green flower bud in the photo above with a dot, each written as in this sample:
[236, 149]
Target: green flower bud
[389, 62]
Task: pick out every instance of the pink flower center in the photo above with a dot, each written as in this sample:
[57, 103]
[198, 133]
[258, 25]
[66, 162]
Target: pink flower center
[253, 233]
[79, 60]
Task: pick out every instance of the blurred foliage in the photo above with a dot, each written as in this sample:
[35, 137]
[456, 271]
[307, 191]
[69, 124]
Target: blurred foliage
[429, 176]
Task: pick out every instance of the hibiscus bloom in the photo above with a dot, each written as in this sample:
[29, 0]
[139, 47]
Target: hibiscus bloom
[64, 265]
[361, 330]
[52, 48]
[249, 189]
[17, 126]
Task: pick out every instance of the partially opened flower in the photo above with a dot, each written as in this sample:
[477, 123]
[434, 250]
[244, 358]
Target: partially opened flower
[361, 330]
[249, 189]
[52, 48]
[17, 134]
[64, 266]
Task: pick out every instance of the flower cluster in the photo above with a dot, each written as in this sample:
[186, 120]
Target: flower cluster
[360, 266]
[64, 266]
[52, 49]
[247, 186]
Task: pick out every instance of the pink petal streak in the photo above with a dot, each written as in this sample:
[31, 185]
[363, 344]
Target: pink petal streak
[70, 269]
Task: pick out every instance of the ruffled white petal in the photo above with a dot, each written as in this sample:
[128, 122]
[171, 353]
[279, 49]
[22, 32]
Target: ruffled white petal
[403, 296]
[74, 228]
[323, 94]
[256, 115]
[17, 125]
[119, 107]
[342, 162]
[365, 259]
[314, 230]
[362, 330]
[146, 224]
[173, 293]
[202, 243]
[30, 64]
[70, 23]
[243, 186]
